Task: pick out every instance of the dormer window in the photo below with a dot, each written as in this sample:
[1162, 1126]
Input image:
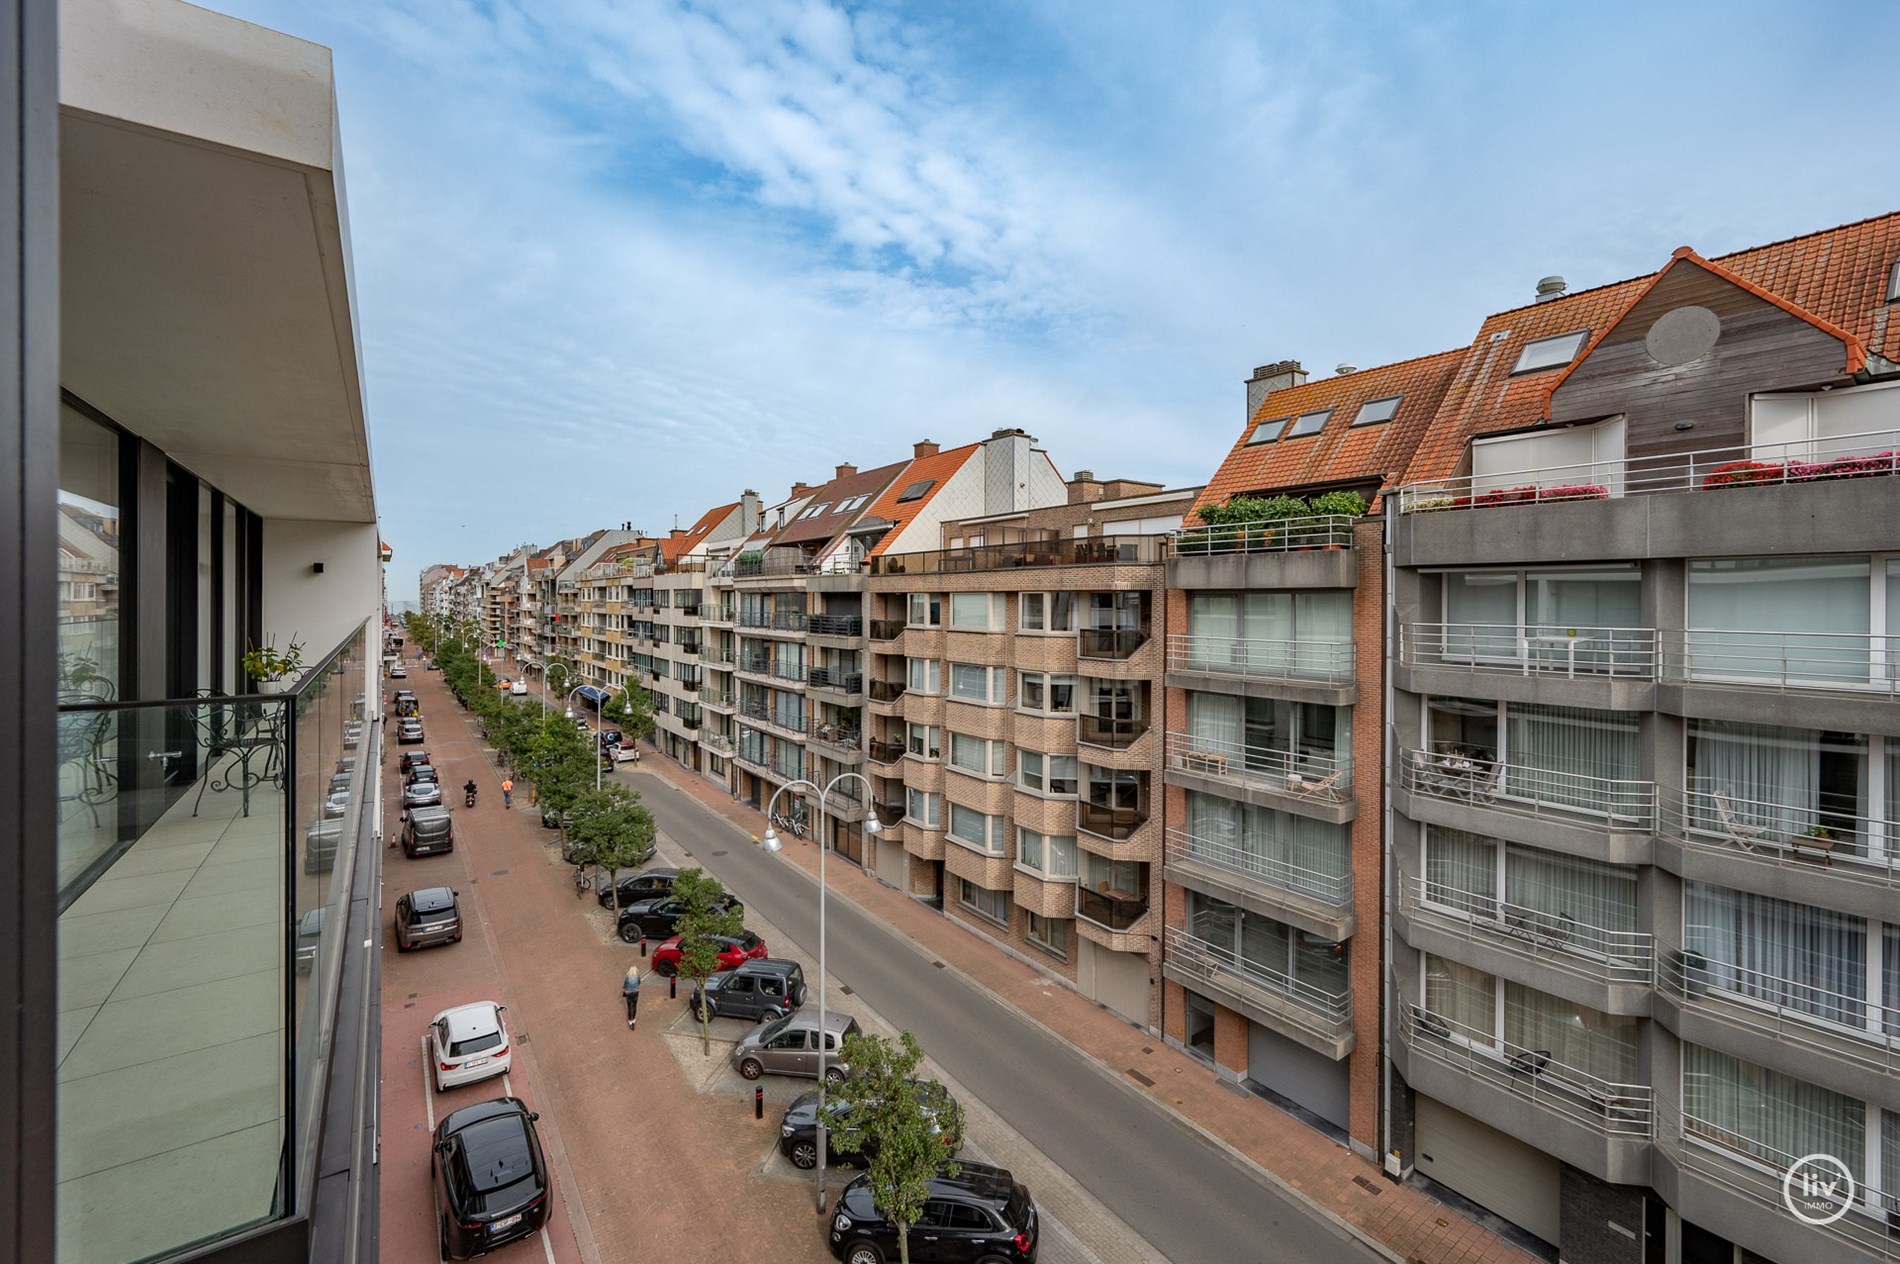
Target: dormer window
[1307, 424]
[1267, 431]
[1550, 353]
[1893, 283]
[1374, 411]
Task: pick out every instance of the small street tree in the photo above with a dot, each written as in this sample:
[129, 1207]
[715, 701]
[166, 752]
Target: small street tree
[630, 711]
[902, 1119]
[704, 918]
[610, 829]
[557, 758]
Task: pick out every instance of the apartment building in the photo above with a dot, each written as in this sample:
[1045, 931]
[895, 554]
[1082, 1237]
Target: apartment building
[675, 598]
[1274, 799]
[1645, 789]
[1014, 742]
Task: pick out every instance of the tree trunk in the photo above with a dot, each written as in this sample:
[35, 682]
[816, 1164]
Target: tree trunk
[903, 1242]
[705, 1027]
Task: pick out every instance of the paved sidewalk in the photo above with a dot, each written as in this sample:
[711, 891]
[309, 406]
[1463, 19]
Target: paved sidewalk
[1407, 1223]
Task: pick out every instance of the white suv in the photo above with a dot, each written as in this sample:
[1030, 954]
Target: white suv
[469, 1043]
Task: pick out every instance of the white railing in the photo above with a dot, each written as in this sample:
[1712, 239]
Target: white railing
[1793, 661]
[1281, 535]
[1327, 662]
[1311, 1008]
[1334, 890]
[1870, 455]
[1796, 1013]
[1531, 649]
[1621, 802]
[1788, 827]
[1555, 939]
[1532, 1075]
[1302, 774]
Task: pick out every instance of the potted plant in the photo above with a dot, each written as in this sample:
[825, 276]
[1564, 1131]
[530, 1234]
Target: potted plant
[272, 669]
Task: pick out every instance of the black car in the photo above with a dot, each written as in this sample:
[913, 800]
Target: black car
[648, 884]
[659, 918]
[491, 1181]
[411, 758]
[980, 1214]
[798, 1131]
[760, 990]
[611, 737]
[421, 772]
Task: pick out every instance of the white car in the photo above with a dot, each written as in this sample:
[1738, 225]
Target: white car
[469, 1043]
[628, 754]
[519, 689]
[398, 672]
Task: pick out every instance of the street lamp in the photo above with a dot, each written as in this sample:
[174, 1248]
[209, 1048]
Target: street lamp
[569, 713]
[772, 844]
[547, 667]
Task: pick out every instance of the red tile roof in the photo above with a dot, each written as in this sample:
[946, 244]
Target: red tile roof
[826, 525]
[937, 469]
[675, 546]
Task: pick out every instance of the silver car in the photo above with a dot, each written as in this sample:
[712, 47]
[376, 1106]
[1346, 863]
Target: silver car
[789, 1046]
[428, 916]
[420, 794]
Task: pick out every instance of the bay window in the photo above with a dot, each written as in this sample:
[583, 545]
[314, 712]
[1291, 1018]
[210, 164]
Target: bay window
[1046, 693]
[972, 682]
[924, 741]
[923, 675]
[1047, 855]
[977, 612]
[1046, 774]
[983, 757]
[977, 830]
[924, 610]
[1046, 612]
[923, 808]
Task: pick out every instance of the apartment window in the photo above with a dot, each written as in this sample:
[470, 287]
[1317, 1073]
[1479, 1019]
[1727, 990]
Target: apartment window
[1270, 736]
[1559, 620]
[993, 905]
[1550, 353]
[1571, 455]
[1267, 431]
[1049, 855]
[924, 740]
[977, 612]
[1584, 1046]
[974, 829]
[925, 610]
[1046, 774]
[1569, 757]
[1116, 611]
[923, 675]
[1783, 619]
[1771, 783]
[1788, 955]
[1271, 633]
[971, 682]
[1045, 693]
[1307, 424]
[923, 808]
[1567, 901]
[1374, 411]
[1307, 968]
[1289, 851]
[977, 755]
[1823, 424]
[1766, 1116]
[1047, 933]
[1047, 612]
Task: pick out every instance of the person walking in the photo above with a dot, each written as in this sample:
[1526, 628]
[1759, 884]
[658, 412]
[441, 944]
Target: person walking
[507, 792]
[630, 988]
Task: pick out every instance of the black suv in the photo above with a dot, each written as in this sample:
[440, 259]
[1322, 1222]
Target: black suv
[648, 884]
[980, 1214]
[491, 1182]
[769, 987]
[659, 919]
[798, 1131]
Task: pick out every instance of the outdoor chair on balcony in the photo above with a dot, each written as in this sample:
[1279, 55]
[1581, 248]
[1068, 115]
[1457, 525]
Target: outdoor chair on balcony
[1323, 788]
[1743, 836]
[1529, 1061]
[1205, 761]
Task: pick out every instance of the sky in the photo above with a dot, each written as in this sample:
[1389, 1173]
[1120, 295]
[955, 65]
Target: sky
[618, 260]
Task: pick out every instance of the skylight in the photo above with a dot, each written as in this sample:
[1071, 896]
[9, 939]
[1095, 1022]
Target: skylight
[1893, 283]
[917, 490]
[1307, 424]
[1267, 431]
[815, 510]
[1550, 353]
[1377, 410]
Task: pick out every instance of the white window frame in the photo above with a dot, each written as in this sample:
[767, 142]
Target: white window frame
[1047, 773]
[925, 604]
[1001, 898]
[929, 670]
[927, 736]
[1044, 940]
[993, 828]
[995, 684]
[992, 620]
[1550, 348]
[1043, 847]
[1047, 682]
[930, 800]
[994, 756]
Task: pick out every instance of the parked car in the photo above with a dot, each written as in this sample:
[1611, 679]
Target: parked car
[398, 672]
[491, 1180]
[336, 805]
[469, 1043]
[320, 842]
[648, 884]
[759, 990]
[798, 1130]
[519, 689]
[789, 1046]
[734, 951]
[309, 935]
[427, 832]
[411, 758]
[425, 917]
[421, 794]
[611, 737]
[551, 819]
[659, 918]
[980, 1214]
[409, 733]
[421, 772]
[628, 754]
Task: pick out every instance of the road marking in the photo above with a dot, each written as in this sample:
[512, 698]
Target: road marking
[547, 1245]
[428, 1086]
[507, 1087]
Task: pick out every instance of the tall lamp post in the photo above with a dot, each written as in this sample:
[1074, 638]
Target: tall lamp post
[547, 667]
[568, 711]
[772, 844]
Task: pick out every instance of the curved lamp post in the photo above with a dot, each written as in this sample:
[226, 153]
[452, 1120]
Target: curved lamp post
[568, 711]
[772, 844]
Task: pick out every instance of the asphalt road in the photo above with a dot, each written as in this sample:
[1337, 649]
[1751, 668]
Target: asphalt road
[1186, 1196]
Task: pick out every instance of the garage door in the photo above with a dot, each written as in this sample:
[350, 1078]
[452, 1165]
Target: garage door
[1292, 1070]
[1495, 1171]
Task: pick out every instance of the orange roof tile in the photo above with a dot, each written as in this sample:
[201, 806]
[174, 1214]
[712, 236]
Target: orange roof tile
[674, 547]
[937, 469]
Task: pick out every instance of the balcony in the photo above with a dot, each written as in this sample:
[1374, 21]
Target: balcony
[1319, 1018]
[1281, 535]
[1568, 797]
[888, 814]
[1726, 837]
[1544, 650]
[882, 752]
[886, 629]
[721, 616]
[689, 645]
[836, 625]
[1317, 777]
[886, 690]
[1303, 662]
[1272, 885]
[842, 741]
[835, 680]
[1114, 643]
[1084, 551]
[762, 713]
[718, 743]
[1302, 553]
[773, 620]
[723, 700]
[1116, 911]
[1795, 1025]
[1109, 732]
[1551, 941]
[1117, 824]
[1785, 662]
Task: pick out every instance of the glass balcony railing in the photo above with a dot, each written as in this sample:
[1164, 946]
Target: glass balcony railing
[1249, 658]
[1110, 642]
[886, 629]
[1111, 732]
[1532, 649]
[1118, 824]
[1112, 911]
[882, 752]
[886, 690]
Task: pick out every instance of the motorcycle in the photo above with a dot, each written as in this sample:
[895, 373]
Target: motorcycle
[468, 798]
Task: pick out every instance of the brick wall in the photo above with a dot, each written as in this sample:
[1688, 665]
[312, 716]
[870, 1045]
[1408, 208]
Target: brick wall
[1602, 1224]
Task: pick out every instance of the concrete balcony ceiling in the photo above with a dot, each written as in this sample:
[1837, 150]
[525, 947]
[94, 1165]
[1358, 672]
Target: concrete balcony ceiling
[205, 287]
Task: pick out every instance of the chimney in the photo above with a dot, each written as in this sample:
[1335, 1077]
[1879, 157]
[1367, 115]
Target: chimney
[845, 471]
[1269, 378]
[1551, 287]
[1084, 487]
[923, 448]
[798, 489]
[748, 512]
[677, 533]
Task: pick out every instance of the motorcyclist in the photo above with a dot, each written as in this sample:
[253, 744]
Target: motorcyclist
[468, 790]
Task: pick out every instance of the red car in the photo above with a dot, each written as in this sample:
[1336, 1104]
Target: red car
[734, 951]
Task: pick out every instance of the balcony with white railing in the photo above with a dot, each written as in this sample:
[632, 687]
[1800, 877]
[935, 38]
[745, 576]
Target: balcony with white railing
[1572, 939]
[1874, 454]
[1572, 798]
[1545, 650]
[1312, 776]
[1277, 535]
[1272, 884]
[1318, 1017]
[1785, 662]
[1298, 553]
[1831, 837]
[1789, 1022]
[1253, 658]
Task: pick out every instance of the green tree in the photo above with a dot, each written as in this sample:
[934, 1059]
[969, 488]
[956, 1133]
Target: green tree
[904, 1119]
[556, 677]
[702, 894]
[557, 759]
[609, 829]
[630, 711]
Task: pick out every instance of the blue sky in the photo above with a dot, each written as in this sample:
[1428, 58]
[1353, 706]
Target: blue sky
[618, 261]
